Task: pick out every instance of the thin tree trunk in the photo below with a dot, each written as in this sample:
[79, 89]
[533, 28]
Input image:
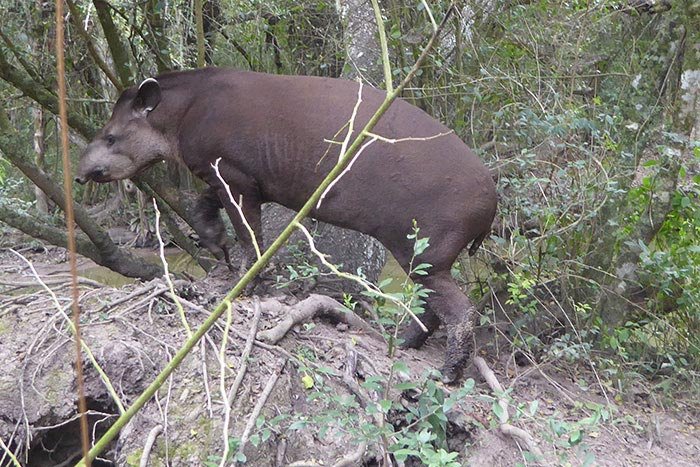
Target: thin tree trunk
[199, 22]
[118, 50]
[42, 201]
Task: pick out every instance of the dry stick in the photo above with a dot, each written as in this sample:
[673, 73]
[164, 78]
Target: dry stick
[166, 273]
[261, 403]
[205, 377]
[310, 307]
[135, 293]
[140, 401]
[150, 441]
[159, 291]
[81, 280]
[241, 373]
[506, 428]
[222, 376]
[9, 454]
[239, 207]
[70, 224]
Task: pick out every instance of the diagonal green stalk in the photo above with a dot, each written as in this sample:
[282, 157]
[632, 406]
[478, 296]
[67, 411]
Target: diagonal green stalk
[189, 344]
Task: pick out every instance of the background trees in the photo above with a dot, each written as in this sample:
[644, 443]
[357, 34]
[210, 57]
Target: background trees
[587, 113]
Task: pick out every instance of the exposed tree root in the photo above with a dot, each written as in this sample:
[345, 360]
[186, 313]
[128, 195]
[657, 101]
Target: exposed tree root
[518, 434]
[150, 441]
[306, 310]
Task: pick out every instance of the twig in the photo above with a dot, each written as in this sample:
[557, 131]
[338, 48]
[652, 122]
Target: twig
[150, 441]
[239, 207]
[205, 377]
[239, 376]
[347, 169]
[166, 273]
[506, 428]
[384, 46]
[159, 291]
[9, 454]
[126, 298]
[261, 403]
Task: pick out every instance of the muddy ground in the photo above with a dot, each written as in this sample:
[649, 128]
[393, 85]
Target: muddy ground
[320, 378]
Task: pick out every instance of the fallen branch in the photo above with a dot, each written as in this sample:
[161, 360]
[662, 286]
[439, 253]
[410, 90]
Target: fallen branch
[309, 308]
[506, 428]
[261, 403]
[239, 376]
[150, 441]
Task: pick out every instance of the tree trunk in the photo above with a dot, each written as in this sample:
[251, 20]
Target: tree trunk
[42, 201]
[118, 50]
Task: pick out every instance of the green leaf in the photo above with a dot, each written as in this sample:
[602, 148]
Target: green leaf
[533, 407]
[424, 436]
[468, 385]
[498, 410]
[298, 425]
[385, 404]
[405, 386]
[575, 437]
[307, 382]
[400, 367]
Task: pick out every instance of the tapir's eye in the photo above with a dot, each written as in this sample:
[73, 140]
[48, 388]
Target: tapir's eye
[110, 140]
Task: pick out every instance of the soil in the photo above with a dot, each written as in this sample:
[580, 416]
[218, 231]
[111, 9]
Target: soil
[314, 414]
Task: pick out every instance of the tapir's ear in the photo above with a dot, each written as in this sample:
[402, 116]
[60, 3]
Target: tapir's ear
[147, 97]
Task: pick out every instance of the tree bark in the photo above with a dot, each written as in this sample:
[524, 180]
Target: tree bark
[117, 49]
[42, 201]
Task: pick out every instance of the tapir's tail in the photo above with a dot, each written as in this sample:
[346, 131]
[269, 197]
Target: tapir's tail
[477, 242]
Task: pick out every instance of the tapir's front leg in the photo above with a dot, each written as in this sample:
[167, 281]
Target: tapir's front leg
[210, 227]
[250, 209]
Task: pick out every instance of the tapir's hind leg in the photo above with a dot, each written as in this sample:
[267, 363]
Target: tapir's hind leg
[446, 304]
[457, 314]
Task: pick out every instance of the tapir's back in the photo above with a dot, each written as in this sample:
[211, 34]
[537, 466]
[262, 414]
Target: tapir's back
[285, 131]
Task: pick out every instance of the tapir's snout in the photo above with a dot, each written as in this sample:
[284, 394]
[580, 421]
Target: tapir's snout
[97, 174]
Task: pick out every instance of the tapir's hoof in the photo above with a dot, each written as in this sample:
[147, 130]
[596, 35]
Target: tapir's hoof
[413, 338]
[450, 375]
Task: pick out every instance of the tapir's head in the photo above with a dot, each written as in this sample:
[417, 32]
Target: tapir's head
[129, 142]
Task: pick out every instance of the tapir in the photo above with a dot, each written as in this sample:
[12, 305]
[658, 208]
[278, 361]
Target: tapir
[277, 137]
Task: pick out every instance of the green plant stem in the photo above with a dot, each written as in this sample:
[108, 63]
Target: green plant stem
[258, 266]
[384, 45]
